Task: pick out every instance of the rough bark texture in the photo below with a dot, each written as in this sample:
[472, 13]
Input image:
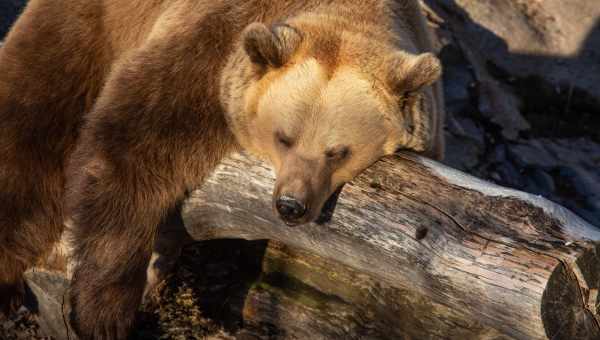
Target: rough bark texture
[415, 250]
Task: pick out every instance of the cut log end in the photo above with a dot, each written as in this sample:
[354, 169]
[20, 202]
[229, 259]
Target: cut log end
[570, 308]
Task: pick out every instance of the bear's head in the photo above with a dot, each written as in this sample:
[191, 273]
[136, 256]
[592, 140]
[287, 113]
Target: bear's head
[322, 106]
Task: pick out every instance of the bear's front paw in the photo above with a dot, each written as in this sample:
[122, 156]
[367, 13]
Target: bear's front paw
[91, 323]
[105, 313]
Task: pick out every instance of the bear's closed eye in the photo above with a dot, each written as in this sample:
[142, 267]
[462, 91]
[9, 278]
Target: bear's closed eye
[337, 153]
[284, 140]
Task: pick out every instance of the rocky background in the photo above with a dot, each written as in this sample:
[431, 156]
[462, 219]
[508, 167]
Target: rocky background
[522, 97]
[523, 111]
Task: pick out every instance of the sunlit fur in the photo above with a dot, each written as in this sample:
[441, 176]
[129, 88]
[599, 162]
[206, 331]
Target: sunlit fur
[350, 90]
[111, 111]
[319, 113]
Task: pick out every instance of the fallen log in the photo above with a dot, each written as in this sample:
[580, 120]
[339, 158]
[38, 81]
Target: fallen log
[415, 250]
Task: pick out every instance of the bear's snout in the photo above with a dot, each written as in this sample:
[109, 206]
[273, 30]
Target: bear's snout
[290, 209]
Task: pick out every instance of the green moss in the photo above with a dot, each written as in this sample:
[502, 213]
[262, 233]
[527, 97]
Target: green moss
[324, 277]
[291, 288]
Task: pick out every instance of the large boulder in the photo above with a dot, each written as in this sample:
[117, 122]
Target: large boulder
[556, 41]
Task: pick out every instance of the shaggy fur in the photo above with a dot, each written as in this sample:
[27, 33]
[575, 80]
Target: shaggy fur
[111, 110]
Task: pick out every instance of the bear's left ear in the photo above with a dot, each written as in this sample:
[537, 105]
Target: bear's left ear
[270, 46]
[408, 73]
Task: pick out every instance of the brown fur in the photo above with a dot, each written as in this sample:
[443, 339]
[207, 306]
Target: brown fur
[111, 110]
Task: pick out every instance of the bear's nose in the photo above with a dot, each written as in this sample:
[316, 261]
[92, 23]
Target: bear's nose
[289, 208]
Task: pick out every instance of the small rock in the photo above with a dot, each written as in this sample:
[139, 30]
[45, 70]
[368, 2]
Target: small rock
[594, 205]
[466, 128]
[496, 177]
[457, 78]
[540, 182]
[509, 175]
[498, 155]
[8, 324]
[462, 153]
[582, 182]
[532, 154]
[472, 131]
[582, 151]
[501, 107]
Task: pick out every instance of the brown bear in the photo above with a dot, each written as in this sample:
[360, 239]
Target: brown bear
[111, 110]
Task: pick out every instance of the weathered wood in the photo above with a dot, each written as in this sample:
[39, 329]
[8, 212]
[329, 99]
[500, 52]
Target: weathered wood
[415, 249]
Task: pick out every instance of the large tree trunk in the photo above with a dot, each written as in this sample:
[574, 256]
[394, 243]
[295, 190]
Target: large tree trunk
[415, 250]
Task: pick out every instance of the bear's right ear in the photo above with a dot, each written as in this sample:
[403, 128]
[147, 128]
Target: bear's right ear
[407, 73]
[270, 46]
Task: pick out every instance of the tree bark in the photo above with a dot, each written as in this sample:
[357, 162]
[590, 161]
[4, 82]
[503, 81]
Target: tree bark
[415, 250]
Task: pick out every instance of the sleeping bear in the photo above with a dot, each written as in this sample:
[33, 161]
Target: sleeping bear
[110, 111]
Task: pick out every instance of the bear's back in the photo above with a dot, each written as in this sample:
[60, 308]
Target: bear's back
[126, 24]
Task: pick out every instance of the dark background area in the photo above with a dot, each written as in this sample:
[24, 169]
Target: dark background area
[9, 10]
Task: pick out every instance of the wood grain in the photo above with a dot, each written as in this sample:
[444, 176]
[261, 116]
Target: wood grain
[417, 250]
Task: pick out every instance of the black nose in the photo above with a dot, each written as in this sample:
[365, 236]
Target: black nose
[289, 208]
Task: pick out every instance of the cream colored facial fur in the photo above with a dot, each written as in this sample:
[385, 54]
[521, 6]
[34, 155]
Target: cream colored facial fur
[323, 110]
[318, 117]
